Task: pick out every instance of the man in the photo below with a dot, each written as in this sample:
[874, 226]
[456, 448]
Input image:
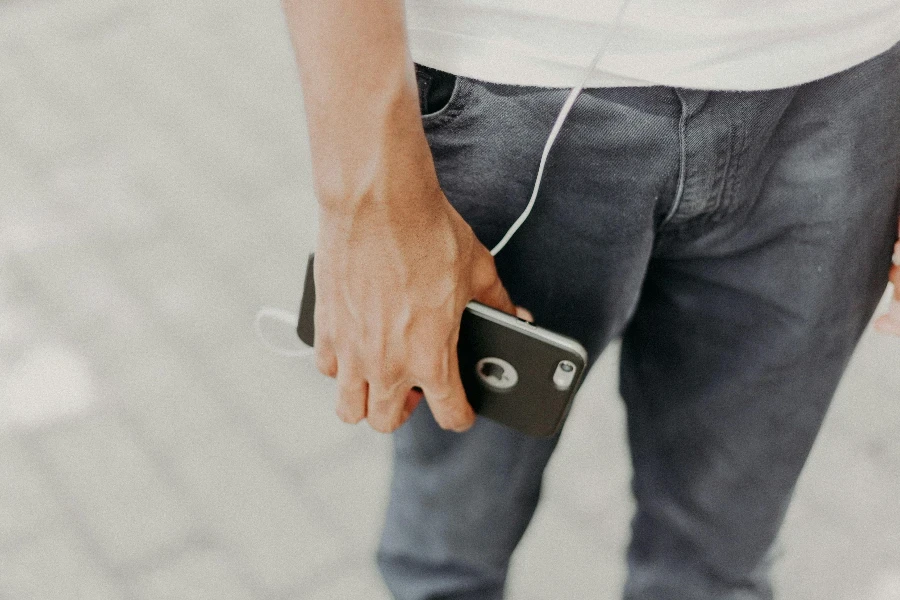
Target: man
[724, 195]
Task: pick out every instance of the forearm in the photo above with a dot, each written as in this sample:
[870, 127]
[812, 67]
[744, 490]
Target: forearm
[360, 97]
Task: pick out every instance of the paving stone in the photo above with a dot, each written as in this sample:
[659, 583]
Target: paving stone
[54, 568]
[27, 507]
[205, 576]
[123, 500]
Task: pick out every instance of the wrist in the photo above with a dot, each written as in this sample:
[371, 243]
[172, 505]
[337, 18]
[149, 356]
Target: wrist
[397, 178]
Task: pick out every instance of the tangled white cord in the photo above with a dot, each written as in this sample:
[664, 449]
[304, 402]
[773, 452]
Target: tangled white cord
[291, 319]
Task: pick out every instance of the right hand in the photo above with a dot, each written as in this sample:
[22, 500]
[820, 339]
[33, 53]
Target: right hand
[392, 281]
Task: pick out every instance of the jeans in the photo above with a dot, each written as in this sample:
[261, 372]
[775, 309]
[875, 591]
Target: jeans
[738, 242]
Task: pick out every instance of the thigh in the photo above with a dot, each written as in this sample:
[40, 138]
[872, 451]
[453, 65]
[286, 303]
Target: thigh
[460, 502]
[747, 320]
[579, 259]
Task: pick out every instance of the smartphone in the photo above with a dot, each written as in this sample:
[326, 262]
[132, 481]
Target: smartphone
[513, 372]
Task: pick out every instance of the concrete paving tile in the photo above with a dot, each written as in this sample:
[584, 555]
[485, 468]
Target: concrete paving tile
[203, 576]
[293, 404]
[54, 568]
[27, 506]
[867, 401]
[124, 502]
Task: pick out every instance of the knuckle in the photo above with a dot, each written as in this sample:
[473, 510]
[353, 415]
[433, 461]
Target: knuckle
[351, 390]
[435, 371]
[385, 408]
[385, 411]
[389, 371]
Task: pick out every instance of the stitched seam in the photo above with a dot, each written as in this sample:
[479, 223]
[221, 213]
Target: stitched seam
[453, 107]
[682, 167]
[723, 182]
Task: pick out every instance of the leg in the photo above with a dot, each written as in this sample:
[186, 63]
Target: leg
[747, 320]
[461, 502]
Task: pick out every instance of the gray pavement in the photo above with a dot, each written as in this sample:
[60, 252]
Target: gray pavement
[154, 193]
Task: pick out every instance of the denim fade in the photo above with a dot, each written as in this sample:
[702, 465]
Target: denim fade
[737, 242]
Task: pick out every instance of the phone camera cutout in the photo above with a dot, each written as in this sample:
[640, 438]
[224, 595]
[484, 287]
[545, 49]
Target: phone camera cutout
[496, 374]
[564, 375]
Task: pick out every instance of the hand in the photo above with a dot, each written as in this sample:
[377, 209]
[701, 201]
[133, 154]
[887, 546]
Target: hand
[890, 323]
[391, 286]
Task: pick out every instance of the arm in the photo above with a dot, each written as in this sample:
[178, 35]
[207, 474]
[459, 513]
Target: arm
[395, 263]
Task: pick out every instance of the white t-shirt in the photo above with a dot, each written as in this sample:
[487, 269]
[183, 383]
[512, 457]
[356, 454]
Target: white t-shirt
[704, 44]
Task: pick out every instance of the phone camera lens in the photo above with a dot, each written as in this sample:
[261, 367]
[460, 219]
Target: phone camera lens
[564, 376]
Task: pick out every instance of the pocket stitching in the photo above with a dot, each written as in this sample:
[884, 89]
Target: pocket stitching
[454, 104]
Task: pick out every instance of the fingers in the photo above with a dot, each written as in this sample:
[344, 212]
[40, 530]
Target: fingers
[890, 323]
[386, 410]
[326, 360]
[447, 398]
[386, 406]
[895, 279]
[353, 393]
[488, 288]
[413, 397]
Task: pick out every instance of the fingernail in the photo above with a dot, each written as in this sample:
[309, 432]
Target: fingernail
[524, 313]
[463, 428]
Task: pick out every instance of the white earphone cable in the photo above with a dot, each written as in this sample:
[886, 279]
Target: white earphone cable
[290, 319]
[567, 106]
[282, 316]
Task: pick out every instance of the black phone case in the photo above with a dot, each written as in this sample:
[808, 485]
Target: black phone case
[535, 406]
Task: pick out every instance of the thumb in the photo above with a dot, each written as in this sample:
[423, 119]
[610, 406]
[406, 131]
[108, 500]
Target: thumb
[489, 289]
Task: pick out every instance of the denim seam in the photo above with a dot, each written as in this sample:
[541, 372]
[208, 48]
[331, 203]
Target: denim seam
[454, 106]
[724, 178]
[682, 142]
[738, 150]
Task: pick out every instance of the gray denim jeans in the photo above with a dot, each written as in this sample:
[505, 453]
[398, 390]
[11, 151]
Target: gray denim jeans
[738, 242]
